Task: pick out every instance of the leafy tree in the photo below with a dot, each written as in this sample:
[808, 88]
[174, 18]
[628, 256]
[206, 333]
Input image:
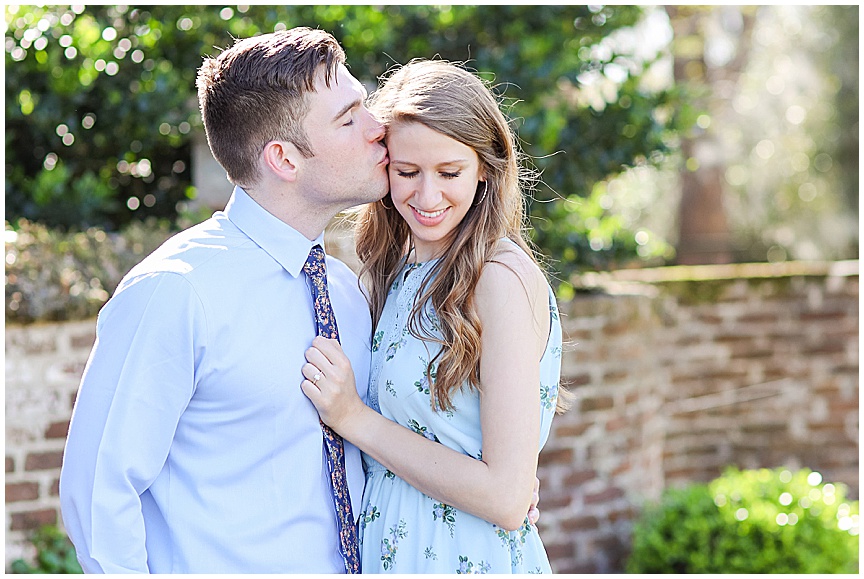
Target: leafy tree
[101, 108]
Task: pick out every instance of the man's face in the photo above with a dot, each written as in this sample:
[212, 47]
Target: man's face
[349, 165]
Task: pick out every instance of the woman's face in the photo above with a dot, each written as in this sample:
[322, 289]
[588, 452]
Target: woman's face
[433, 181]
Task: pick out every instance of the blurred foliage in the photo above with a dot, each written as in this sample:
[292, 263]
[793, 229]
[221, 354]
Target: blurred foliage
[101, 106]
[788, 125]
[55, 554]
[57, 275]
[750, 521]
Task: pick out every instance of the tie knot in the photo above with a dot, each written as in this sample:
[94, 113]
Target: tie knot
[314, 266]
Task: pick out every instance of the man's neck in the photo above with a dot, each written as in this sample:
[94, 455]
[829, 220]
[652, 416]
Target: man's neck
[293, 210]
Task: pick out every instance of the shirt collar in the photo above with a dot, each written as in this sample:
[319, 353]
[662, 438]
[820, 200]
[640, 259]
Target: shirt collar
[282, 242]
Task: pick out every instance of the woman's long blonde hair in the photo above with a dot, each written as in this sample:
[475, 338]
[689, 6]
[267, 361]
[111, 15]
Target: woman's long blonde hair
[454, 102]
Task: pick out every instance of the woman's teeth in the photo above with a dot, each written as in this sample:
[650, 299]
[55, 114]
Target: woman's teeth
[430, 214]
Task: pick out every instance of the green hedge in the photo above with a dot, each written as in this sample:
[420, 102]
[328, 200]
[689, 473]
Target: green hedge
[751, 521]
[55, 554]
[53, 275]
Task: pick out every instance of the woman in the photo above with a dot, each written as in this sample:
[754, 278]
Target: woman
[467, 346]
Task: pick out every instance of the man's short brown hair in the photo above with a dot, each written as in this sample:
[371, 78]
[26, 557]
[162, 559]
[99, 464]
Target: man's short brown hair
[255, 92]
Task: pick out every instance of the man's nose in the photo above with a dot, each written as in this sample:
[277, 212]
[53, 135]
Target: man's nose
[376, 129]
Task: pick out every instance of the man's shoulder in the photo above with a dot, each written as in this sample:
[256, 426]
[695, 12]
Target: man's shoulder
[189, 249]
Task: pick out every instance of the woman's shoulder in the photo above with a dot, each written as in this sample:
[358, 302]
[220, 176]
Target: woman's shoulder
[511, 267]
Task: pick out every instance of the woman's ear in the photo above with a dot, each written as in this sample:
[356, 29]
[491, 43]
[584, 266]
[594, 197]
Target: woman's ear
[280, 158]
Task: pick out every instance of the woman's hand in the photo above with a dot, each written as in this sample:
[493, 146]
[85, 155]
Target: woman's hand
[330, 385]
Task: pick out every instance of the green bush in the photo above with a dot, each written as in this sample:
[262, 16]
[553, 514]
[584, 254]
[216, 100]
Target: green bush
[56, 275]
[750, 521]
[54, 553]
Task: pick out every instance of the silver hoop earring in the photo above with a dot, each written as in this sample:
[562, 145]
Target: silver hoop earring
[485, 190]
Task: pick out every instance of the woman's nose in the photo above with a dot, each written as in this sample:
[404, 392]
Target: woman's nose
[428, 194]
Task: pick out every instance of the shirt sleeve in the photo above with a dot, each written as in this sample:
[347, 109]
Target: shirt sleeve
[138, 381]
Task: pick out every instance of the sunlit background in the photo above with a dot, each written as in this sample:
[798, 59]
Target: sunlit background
[663, 136]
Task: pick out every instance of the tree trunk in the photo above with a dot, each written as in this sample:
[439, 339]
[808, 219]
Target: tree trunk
[703, 230]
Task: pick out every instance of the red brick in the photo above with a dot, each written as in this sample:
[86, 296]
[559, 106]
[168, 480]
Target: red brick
[815, 316]
[580, 524]
[750, 352]
[83, 341]
[599, 403]
[608, 494]
[758, 318]
[628, 514]
[57, 429]
[826, 347]
[578, 380]
[614, 376]
[618, 423]
[24, 491]
[44, 460]
[570, 430]
[558, 456]
[55, 488]
[576, 478]
[711, 319]
[622, 468]
[31, 520]
[10, 464]
[560, 550]
[550, 501]
[615, 329]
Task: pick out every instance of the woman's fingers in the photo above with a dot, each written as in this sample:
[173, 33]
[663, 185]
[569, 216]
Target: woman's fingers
[312, 373]
[317, 358]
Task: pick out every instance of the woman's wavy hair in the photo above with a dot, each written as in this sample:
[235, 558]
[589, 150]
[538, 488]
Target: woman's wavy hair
[452, 101]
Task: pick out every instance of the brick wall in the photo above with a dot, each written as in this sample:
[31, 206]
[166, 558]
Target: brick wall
[677, 372]
[44, 363]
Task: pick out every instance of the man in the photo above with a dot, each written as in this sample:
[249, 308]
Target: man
[192, 448]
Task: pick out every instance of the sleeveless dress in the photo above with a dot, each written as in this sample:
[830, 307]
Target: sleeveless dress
[401, 529]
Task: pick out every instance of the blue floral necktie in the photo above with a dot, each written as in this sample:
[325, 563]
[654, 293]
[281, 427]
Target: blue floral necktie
[325, 322]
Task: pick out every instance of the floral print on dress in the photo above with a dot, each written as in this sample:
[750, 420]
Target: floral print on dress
[376, 340]
[391, 350]
[446, 514]
[391, 545]
[415, 533]
[368, 517]
[422, 430]
[422, 385]
[466, 567]
[548, 395]
[388, 386]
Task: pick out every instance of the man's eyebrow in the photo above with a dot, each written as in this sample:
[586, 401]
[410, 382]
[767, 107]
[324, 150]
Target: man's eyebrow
[355, 103]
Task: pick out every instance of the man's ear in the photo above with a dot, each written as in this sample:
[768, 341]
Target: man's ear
[280, 158]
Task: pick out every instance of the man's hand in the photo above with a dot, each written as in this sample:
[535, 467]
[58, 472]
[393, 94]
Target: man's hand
[533, 511]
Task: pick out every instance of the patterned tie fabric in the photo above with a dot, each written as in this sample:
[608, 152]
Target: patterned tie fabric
[325, 322]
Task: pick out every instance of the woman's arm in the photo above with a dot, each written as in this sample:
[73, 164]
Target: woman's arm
[513, 310]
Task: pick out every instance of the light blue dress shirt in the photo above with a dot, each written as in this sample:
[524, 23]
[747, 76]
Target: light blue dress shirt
[192, 448]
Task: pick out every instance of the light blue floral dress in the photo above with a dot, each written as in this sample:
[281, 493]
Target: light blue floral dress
[401, 529]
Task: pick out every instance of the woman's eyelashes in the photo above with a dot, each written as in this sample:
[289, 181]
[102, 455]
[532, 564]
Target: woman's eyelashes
[412, 174]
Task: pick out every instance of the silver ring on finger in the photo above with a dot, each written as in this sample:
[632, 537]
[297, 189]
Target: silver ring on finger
[318, 375]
